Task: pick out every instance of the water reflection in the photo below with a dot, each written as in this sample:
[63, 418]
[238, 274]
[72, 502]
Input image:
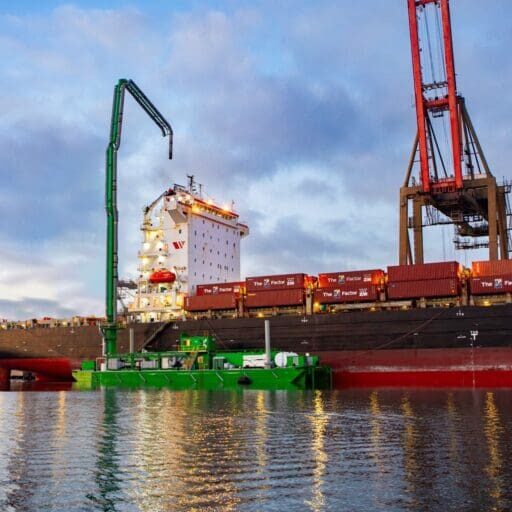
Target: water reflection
[162, 450]
[376, 430]
[107, 474]
[493, 431]
[411, 463]
[319, 422]
[452, 420]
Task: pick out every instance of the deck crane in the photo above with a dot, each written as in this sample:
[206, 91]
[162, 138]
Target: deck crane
[149, 209]
[110, 328]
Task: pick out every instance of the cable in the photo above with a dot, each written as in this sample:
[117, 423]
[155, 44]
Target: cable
[402, 336]
[425, 18]
[440, 47]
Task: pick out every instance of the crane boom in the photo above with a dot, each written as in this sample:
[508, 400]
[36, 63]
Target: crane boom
[110, 328]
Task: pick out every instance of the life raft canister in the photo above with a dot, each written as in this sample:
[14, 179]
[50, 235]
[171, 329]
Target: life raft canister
[162, 276]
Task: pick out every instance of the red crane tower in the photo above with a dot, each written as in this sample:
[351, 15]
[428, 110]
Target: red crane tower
[454, 183]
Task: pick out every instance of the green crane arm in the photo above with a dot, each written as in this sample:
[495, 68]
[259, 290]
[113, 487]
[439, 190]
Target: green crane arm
[110, 328]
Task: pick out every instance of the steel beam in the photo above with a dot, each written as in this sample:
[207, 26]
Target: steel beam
[492, 219]
[502, 224]
[417, 211]
[403, 243]
[452, 92]
[418, 95]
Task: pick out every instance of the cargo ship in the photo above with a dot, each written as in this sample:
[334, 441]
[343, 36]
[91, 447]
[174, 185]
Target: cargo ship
[415, 323]
[431, 324]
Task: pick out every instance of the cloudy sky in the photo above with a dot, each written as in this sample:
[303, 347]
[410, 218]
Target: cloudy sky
[301, 112]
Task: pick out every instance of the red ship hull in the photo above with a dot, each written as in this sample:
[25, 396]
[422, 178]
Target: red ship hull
[456, 367]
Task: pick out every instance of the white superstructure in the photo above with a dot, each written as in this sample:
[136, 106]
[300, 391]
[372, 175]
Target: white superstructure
[187, 240]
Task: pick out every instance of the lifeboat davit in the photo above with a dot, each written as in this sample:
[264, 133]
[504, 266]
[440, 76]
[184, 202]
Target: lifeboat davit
[162, 276]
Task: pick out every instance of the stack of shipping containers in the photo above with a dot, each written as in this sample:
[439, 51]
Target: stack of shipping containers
[403, 282]
[427, 280]
[491, 277]
[352, 286]
[275, 291]
[215, 297]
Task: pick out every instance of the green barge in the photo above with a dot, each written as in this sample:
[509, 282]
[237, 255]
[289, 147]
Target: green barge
[197, 364]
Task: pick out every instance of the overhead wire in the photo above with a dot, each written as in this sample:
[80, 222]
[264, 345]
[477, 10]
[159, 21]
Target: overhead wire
[442, 67]
[429, 44]
[440, 47]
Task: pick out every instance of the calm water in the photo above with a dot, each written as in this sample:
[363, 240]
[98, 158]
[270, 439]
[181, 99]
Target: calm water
[252, 451]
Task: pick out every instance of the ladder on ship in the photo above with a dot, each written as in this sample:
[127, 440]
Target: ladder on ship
[156, 334]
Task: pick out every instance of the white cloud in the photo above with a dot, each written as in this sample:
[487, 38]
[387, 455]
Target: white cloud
[58, 275]
[304, 118]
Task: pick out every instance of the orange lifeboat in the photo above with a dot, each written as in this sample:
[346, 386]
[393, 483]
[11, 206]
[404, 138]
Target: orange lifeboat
[162, 276]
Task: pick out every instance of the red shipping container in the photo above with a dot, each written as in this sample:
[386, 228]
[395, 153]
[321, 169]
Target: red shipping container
[218, 288]
[363, 293]
[491, 268]
[277, 282]
[357, 277]
[491, 285]
[424, 271]
[273, 298]
[419, 289]
[210, 302]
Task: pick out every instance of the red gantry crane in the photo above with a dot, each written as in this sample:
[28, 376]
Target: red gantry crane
[453, 183]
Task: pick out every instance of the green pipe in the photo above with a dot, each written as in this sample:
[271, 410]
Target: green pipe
[111, 327]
